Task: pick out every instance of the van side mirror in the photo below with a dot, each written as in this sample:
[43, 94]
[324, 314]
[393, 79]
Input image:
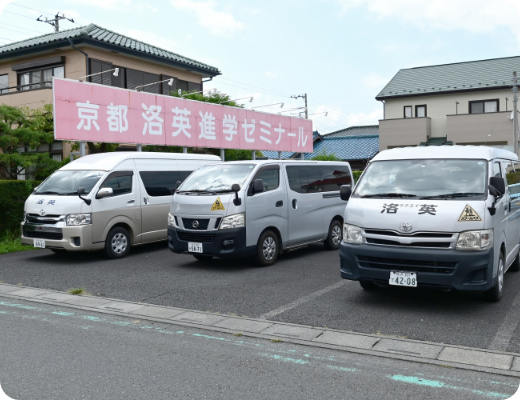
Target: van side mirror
[105, 192]
[497, 184]
[236, 188]
[81, 190]
[345, 192]
[258, 186]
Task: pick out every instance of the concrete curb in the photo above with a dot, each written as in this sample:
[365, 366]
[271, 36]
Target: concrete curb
[461, 357]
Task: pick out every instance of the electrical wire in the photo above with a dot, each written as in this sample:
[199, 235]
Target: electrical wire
[14, 30]
[27, 29]
[29, 8]
[11, 40]
[21, 15]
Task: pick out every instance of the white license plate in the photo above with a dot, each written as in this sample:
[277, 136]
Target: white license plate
[194, 247]
[39, 243]
[400, 278]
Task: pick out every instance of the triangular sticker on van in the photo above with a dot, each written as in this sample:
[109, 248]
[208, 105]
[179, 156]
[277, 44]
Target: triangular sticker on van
[469, 214]
[217, 205]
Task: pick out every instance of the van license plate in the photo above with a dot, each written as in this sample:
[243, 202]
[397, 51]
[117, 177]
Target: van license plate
[39, 243]
[400, 278]
[194, 247]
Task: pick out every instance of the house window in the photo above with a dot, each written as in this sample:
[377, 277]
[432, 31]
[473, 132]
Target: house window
[483, 106]
[4, 83]
[420, 111]
[40, 78]
[408, 111]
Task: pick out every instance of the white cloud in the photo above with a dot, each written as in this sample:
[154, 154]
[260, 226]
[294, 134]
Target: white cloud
[152, 39]
[375, 81]
[337, 119]
[474, 16]
[216, 22]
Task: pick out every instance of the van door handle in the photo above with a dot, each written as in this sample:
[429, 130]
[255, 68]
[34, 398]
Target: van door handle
[279, 203]
[130, 202]
[145, 200]
[294, 204]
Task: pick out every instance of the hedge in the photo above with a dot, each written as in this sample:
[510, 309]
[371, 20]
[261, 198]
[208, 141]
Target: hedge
[356, 175]
[12, 199]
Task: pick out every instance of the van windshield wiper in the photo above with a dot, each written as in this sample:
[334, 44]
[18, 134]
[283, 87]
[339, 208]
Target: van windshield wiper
[451, 195]
[197, 191]
[48, 192]
[388, 195]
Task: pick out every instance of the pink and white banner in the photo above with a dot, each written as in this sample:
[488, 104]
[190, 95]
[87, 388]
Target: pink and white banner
[97, 113]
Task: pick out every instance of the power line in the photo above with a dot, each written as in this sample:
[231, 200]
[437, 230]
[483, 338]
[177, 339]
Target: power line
[21, 15]
[29, 8]
[246, 84]
[14, 30]
[27, 29]
[11, 40]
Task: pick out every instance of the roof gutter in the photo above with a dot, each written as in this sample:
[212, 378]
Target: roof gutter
[81, 51]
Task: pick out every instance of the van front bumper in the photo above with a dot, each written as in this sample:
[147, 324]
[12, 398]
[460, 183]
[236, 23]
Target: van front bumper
[442, 269]
[225, 243]
[60, 236]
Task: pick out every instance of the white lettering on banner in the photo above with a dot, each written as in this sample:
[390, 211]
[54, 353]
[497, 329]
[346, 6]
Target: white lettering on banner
[207, 126]
[181, 121]
[265, 131]
[248, 135]
[88, 114]
[230, 126]
[280, 131]
[117, 121]
[153, 124]
[301, 136]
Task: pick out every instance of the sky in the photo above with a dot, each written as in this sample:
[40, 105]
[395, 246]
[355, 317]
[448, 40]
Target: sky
[341, 53]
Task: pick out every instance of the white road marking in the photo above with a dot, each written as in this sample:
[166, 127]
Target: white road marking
[302, 300]
[507, 329]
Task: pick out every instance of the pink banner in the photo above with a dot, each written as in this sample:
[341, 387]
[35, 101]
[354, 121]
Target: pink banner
[97, 113]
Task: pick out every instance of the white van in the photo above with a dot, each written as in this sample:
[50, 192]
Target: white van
[258, 208]
[444, 217]
[109, 201]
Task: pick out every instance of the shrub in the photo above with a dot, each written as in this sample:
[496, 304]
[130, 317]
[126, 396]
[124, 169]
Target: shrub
[356, 175]
[12, 199]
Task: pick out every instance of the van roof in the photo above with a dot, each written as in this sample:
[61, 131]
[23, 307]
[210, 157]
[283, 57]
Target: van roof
[482, 152]
[108, 161]
[270, 161]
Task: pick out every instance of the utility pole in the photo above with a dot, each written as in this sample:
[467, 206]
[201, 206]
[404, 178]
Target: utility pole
[515, 111]
[303, 96]
[56, 21]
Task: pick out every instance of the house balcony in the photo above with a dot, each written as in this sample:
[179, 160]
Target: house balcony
[402, 132]
[34, 95]
[488, 128]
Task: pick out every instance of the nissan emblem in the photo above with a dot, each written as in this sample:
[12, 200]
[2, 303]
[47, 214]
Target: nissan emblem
[195, 224]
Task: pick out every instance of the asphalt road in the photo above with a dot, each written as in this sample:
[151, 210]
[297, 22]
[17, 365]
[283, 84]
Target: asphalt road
[50, 352]
[303, 287]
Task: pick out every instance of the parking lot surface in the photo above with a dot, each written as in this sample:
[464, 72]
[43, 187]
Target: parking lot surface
[303, 287]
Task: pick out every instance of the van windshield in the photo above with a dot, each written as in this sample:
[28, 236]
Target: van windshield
[66, 183]
[428, 178]
[216, 178]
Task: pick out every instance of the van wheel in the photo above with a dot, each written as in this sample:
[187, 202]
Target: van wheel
[201, 257]
[118, 242]
[334, 237]
[495, 293]
[267, 249]
[515, 267]
[368, 285]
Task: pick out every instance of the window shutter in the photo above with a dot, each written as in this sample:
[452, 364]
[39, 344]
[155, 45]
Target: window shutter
[95, 68]
[134, 78]
[194, 87]
[183, 85]
[165, 88]
[151, 78]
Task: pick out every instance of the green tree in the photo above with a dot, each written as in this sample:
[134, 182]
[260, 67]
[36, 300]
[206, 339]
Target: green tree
[324, 156]
[20, 129]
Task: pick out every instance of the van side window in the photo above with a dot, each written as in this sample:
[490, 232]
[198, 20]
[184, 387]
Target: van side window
[120, 182]
[162, 183]
[512, 171]
[333, 177]
[270, 176]
[304, 178]
[496, 169]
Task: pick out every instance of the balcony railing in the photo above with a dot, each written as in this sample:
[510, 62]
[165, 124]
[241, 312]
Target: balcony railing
[26, 87]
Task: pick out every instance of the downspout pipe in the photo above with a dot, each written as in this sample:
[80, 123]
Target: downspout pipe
[81, 51]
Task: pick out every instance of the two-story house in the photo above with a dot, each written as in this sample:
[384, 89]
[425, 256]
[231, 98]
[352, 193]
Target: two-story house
[466, 103]
[27, 68]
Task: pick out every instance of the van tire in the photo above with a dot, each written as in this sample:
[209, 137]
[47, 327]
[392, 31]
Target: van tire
[494, 294]
[368, 285]
[118, 243]
[267, 249]
[335, 236]
[515, 267]
[201, 257]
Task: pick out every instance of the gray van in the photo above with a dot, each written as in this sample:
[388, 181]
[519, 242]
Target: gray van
[444, 217]
[258, 208]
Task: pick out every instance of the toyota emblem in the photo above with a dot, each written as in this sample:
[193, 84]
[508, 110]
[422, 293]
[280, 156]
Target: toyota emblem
[405, 227]
[195, 224]
[42, 212]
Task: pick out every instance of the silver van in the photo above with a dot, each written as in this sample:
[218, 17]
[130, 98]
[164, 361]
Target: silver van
[108, 201]
[258, 208]
[444, 217]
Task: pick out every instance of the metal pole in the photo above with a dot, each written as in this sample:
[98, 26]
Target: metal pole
[139, 147]
[515, 111]
[223, 154]
[279, 155]
[306, 117]
[184, 149]
[82, 149]
[254, 155]
[57, 22]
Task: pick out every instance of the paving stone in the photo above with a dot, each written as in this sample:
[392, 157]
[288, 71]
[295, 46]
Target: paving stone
[120, 306]
[157, 312]
[516, 364]
[476, 357]
[197, 318]
[347, 339]
[294, 332]
[87, 301]
[243, 325]
[56, 296]
[408, 348]
[27, 292]
[8, 288]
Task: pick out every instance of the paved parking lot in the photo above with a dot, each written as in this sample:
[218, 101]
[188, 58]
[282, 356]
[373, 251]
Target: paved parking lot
[303, 287]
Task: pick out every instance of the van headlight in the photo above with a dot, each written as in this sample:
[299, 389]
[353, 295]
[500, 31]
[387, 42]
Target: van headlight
[352, 234]
[233, 221]
[171, 221]
[79, 219]
[475, 240]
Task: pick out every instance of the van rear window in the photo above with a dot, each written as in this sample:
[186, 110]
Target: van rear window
[162, 183]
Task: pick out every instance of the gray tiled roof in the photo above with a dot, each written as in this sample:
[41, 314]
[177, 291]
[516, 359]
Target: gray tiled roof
[362, 147]
[100, 34]
[471, 75]
[354, 131]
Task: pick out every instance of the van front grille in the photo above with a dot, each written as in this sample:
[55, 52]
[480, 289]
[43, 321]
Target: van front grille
[196, 237]
[201, 225]
[414, 235]
[43, 235]
[47, 219]
[385, 242]
[437, 267]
